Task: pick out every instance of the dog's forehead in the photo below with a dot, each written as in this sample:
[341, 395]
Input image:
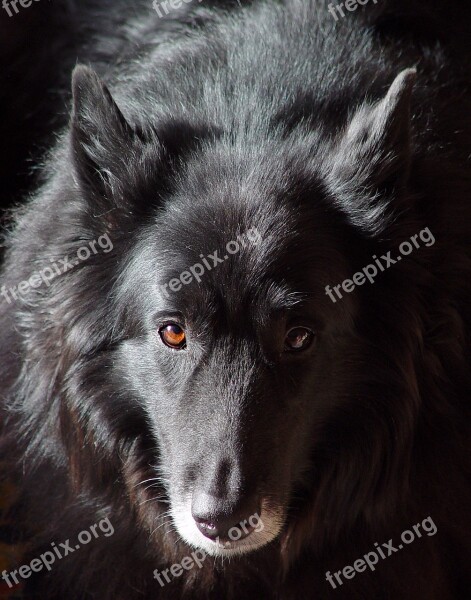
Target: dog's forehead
[213, 232]
[233, 268]
[240, 248]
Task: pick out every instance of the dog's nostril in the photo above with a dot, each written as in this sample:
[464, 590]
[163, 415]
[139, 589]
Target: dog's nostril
[226, 531]
[227, 522]
[208, 528]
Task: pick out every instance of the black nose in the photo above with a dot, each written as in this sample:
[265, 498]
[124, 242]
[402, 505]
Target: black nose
[218, 518]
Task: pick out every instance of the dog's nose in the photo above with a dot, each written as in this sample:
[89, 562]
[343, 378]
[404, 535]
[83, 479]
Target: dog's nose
[216, 518]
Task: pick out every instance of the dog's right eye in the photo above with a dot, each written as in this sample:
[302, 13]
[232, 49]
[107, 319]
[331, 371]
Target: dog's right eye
[298, 339]
[173, 336]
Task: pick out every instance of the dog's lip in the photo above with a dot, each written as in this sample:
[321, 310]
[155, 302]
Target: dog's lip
[241, 546]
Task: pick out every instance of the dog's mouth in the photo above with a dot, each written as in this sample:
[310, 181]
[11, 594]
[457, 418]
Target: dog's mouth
[248, 535]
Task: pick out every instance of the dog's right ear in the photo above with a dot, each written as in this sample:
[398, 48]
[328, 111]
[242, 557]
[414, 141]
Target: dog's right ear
[369, 170]
[102, 140]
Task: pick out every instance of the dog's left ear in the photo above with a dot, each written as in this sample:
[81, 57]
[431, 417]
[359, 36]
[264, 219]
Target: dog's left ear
[102, 140]
[374, 153]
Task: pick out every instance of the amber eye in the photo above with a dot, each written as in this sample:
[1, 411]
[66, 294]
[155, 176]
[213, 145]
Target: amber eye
[298, 338]
[173, 336]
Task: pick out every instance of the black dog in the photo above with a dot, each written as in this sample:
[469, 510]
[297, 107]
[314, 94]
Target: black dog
[235, 316]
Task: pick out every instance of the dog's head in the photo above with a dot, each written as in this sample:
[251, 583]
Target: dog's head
[230, 375]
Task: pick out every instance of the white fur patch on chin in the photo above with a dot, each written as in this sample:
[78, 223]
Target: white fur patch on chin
[270, 524]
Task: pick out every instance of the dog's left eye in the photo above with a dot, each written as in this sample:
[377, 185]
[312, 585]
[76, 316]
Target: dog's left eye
[173, 336]
[298, 338]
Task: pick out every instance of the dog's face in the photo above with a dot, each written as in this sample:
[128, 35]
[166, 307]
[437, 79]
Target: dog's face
[231, 366]
[235, 347]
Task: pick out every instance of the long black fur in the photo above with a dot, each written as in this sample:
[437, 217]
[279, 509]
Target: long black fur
[198, 128]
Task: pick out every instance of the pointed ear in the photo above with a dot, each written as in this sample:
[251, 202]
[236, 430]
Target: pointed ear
[375, 151]
[101, 138]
